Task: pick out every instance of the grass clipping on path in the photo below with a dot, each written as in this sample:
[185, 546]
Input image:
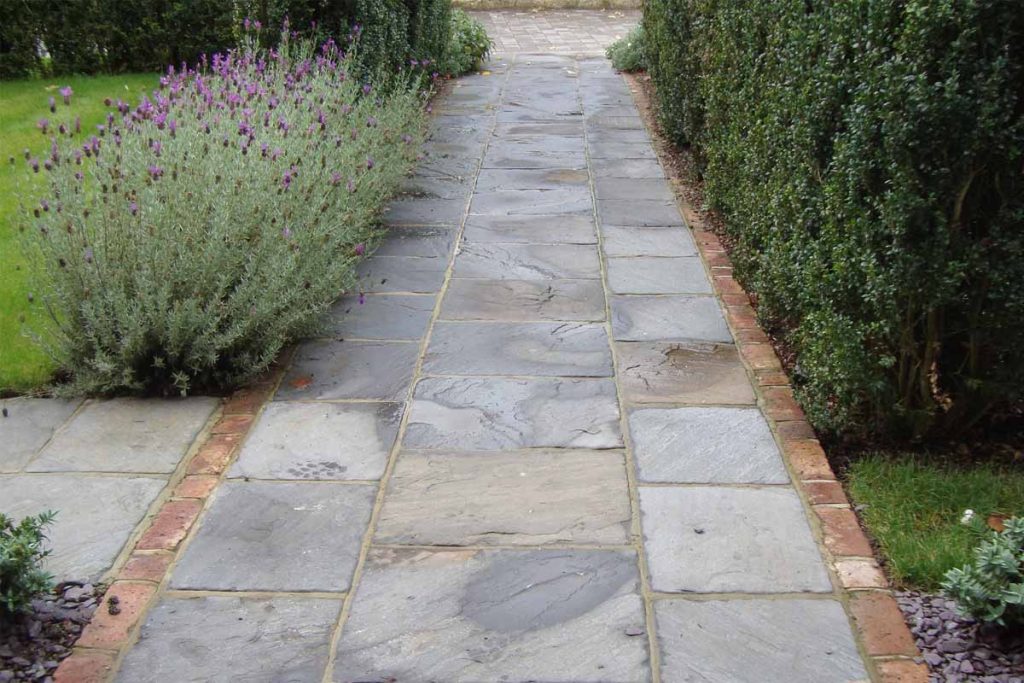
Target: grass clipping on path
[913, 507]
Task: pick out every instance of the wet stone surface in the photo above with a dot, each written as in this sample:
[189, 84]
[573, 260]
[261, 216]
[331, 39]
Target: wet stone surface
[27, 424]
[524, 300]
[378, 371]
[657, 275]
[668, 318]
[636, 241]
[528, 262]
[565, 229]
[682, 372]
[393, 316]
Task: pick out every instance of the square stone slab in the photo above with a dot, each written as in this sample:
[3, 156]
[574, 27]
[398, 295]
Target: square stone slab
[566, 229]
[656, 275]
[492, 179]
[320, 441]
[655, 189]
[503, 414]
[668, 318]
[682, 372]
[510, 498]
[524, 300]
[769, 641]
[126, 435]
[538, 202]
[496, 615]
[705, 445]
[27, 425]
[626, 168]
[551, 349]
[220, 638]
[637, 241]
[379, 371]
[729, 540]
[401, 274]
[424, 211]
[528, 262]
[638, 212]
[277, 536]
[95, 516]
[382, 316]
[422, 242]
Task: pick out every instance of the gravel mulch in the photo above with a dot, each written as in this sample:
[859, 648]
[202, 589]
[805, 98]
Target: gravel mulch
[31, 649]
[958, 648]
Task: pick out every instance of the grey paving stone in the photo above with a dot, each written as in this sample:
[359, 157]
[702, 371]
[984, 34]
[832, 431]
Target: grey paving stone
[605, 122]
[668, 318]
[126, 435]
[552, 349]
[637, 241]
[332, 369]
[277, 536]
[320, 441]
[447, 166]
[533, 158]
[95, 516]
[401, 274]
[615, 149]
[626, 168]
[638, 212]
[657, 275]
[524, 300]
[511, 498]
[422, 242]
[565, 129]
[768, 641]
[566, 229]
[527, 261]
[527, 202]
[537, 143]
[682, 372]
[722, 540]
[437, 187]
[565, 111]
[611, 110]
[705, 445]
[501, 414]
[491, 179]
[382, 316]
[27, 424]
[425, 211]
[221, 638]
[632, 135]
[653, 189]
[494, 615]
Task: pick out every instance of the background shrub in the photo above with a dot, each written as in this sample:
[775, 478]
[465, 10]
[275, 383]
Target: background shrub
[627, 54]
[192, 237]
[867, 158]
[468, 45]
[21, 555]
[992, 589]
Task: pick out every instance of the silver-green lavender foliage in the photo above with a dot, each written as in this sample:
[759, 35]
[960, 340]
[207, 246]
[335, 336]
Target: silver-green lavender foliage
[192, 237]
[992, 589]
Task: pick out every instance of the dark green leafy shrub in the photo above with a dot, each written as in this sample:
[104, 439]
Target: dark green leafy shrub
[468, 45]
[992, 589]
[867, 158]
[21, 555]
[627, 54]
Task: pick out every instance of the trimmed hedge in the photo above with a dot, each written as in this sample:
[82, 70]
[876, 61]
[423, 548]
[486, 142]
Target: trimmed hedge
[867, 156]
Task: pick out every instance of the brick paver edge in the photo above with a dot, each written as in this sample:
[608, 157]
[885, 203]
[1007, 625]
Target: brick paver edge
[882, 633]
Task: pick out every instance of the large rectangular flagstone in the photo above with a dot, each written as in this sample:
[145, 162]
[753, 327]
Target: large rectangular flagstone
[491, 179]
[382, 316]
[429, 242]
[278, 536]
[668, 318]
[769, 641]
[510, 498]
[425, 211]
[657, 275]
[126, 435]
[28, 423]
[626, 168]
[533, 157]
[729, 540]
[564, 229]
[647, 241]
[332, 369]
[552, 349]
[524, 300]
[402, 274]
[501, 413]
[639, 212]
[654, 189]
[95, 516]
[315, 440]
[617, 149]
[496, 615]
[682, 372]
[222, 638]
[705, 445]
[549, 202]
[527, 261]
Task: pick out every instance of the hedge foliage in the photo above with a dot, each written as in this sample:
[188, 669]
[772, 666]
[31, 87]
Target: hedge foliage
[867, 156]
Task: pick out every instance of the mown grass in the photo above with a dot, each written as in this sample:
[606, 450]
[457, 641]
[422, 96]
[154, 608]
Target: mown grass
[913, 505]
[23, 365]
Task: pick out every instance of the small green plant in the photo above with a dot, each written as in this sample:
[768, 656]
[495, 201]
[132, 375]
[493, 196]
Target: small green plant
[468, 45]
[992, 589]
[21, 555]
[627, 54]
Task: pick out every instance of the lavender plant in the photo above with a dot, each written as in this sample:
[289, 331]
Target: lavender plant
[188, 239]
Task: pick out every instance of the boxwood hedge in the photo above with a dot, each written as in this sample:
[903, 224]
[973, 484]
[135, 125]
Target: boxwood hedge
[867, 156]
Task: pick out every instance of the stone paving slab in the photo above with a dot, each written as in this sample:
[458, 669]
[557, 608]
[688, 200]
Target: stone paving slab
[627, 168]
[401, 274]
[277, 536]
[524, 300]
[668, 318]
[528, 262]
[532, 497]
[565, 229]
[320, 441]
[514, 615]
[368, 370]
[419, 211]
[640, 212]
[422, 242]
[126, 435]
[659, 241]
[657, 275]
[623, 189]
[556, 31]
[491, 179]
[220, 638]
[551, 202]
[682, 372]
[391, 316]
[549, 349]
[503, 414]
[769, 641]
[725, 540]
[28, 423]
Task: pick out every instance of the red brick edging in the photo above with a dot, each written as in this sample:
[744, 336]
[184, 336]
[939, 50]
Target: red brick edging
[105, 639]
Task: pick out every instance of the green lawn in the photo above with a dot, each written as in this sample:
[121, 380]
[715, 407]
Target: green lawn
[22, 103]
[914, 504]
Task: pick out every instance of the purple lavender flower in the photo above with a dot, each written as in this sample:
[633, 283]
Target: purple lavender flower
[134, 208]
[44, 205]
[78, 124]
[47, 164]
[53, 106]
[66, 93]
[79, 177]
[362, 298]
[371, 122]
[172, 126]
[407, 139]
[62, 129]
[351, 185]
[369, 163]
[87, 254]
[156, 146]
[287, 233]
[107, 101]
[155, 172]
[360, 249]
[367, 88]
[34, 163]
[335, 178]
[43, 125]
